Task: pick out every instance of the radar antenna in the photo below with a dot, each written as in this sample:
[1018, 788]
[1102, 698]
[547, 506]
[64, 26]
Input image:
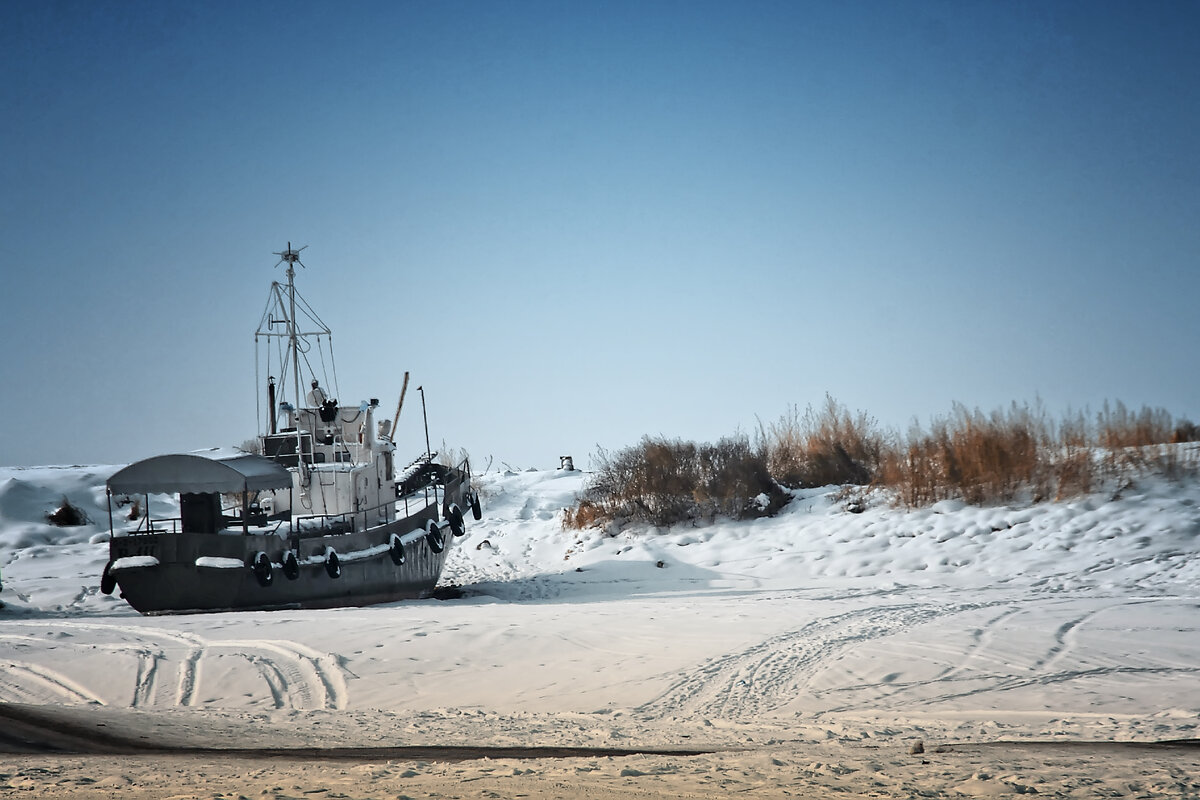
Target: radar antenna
[290, 256]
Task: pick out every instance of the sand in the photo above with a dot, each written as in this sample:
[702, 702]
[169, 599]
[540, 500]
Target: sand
[206, 755]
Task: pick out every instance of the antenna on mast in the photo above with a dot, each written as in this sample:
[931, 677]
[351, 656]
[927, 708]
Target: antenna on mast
[290, 256]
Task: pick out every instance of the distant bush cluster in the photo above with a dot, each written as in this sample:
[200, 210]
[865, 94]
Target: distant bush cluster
[967, 454]
[662, 482]
[987, 458]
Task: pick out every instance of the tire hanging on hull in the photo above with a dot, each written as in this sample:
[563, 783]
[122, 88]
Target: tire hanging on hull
[396, 550]
[333, 566]
[454, 516]
[108, 581]
[434, 537]
[291, 566]
[263, 569]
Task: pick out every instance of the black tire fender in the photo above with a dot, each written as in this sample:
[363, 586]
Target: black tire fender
[434, 537]
[396, 550]
[291, 566]
[333, 565]
[455, 517]
[476, 511]
[262, 568]
[108, 581]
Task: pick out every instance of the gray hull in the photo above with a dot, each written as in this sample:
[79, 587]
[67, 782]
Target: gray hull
[367, 573]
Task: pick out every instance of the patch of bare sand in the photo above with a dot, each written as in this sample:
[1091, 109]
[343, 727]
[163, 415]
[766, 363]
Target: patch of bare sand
[817, 770]
[746, 761]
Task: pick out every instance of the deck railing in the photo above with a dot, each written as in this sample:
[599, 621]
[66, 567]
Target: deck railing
[347, 522]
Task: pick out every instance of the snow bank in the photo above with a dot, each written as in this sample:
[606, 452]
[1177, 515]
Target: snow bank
[1071, 619]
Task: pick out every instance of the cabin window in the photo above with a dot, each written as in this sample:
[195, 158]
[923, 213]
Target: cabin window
[200, 512]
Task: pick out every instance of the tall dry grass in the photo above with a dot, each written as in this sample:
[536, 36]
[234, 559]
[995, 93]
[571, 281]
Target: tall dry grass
[824, 446]
[1019, 451]
[1012, 453]
[971, 455]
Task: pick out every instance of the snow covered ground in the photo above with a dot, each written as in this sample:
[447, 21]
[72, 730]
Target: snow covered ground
[1075, 621]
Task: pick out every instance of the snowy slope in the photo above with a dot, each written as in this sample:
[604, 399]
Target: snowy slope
[1059, 618]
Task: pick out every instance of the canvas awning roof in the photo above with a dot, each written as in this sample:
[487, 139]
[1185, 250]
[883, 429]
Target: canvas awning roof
[208, 471]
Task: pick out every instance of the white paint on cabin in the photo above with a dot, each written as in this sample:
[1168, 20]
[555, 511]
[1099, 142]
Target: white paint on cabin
[350, 471]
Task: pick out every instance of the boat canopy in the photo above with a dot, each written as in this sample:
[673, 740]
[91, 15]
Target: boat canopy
[224, 471]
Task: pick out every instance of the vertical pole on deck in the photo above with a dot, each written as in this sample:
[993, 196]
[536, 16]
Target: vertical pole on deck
[425, 417]
[428, 449]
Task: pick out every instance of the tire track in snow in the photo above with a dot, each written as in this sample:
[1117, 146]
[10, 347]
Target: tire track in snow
[325, 670]
[296, 675]
[1006, 683]
[189, 677]
[147, 674]
[36, 684]
[773, 672]
[981, 639]
[276, 683]
[1066, 633]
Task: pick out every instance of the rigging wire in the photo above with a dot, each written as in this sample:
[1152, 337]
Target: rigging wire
[333, 361]
[324, 369]
[259, 420]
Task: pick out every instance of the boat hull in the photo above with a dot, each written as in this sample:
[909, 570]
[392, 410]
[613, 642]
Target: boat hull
[179, 573]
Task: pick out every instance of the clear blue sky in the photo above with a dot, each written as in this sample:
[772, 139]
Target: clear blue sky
[577, 223]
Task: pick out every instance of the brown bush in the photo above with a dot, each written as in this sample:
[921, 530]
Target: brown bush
[829, 446]
[584, 514]
[663, 482]
[1185, 431]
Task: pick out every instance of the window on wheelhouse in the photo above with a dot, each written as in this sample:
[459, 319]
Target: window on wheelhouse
[200, 512]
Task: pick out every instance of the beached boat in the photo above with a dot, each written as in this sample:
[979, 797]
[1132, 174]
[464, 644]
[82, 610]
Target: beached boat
[319, 517]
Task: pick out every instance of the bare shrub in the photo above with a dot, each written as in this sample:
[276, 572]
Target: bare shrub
[1131, 440]
[824, 446]
[1185, 431]
[67, 515]
[450, 456]
[663, 482]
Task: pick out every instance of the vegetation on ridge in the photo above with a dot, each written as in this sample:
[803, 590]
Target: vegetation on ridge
[1010, 453]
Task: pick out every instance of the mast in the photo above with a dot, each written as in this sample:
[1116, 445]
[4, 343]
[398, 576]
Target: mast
[292, 257]
[289, 316]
